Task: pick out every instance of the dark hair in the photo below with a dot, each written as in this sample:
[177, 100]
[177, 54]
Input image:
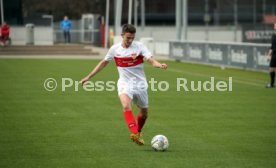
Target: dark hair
[128, 28]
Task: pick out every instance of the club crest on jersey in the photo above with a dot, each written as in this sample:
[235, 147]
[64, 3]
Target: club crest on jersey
[134, 56]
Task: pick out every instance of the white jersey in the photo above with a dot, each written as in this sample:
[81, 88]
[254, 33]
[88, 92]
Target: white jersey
[129, 62]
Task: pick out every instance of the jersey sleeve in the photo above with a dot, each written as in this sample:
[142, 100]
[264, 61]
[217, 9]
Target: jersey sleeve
[145, 51]
[110, 54]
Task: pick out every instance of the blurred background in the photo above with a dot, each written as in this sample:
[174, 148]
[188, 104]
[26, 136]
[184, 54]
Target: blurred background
[98, 23]
[220, 15]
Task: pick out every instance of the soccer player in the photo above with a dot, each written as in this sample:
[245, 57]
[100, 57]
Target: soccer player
[272, 59]
[129, 57]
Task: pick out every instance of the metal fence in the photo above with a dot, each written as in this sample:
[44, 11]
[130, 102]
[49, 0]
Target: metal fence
[240, 55]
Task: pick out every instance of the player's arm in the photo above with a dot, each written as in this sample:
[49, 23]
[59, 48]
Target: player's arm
[97, 69]
[157, 64]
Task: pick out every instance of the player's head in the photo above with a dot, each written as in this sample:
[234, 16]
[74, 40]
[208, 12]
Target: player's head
[65, 17]
[128, 34]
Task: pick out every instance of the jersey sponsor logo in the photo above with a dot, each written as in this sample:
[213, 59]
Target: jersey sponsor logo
[129, 61]
[133, 56]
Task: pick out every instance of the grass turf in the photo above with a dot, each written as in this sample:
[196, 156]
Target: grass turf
[87, 129]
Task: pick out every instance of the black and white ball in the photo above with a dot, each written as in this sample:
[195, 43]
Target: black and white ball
[159, 143]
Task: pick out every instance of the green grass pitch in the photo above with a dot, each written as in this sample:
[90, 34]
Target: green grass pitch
[86, 129]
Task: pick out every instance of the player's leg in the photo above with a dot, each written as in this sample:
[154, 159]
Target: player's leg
[272, 68]
[142, 104]
[272, 76]
[141, 117]
[130, 120]
[140, 98]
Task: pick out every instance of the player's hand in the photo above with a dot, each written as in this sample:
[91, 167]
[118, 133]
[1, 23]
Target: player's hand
[163, 66]
[84, 80]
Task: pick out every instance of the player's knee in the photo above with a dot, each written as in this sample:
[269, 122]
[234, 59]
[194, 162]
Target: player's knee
[126, 107]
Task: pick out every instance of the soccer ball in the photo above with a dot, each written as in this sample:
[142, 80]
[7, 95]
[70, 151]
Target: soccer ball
[159, 143]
